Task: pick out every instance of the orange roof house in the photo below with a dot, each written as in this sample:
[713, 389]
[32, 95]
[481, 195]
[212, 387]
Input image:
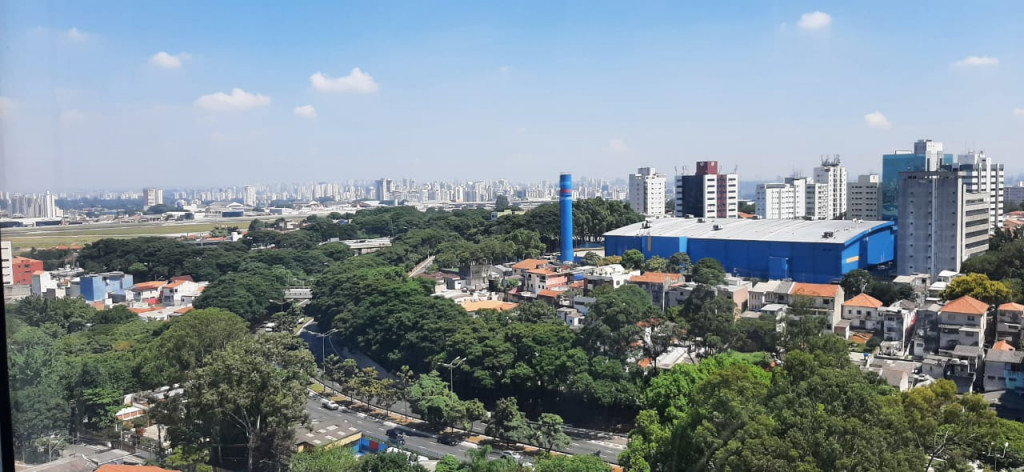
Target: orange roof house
[1002, 346]
[143, 286]
[655, 278]
[488, 305]
[864, 301]
[530, 264]
[815, 290]
[1011, 307]
[966, 305]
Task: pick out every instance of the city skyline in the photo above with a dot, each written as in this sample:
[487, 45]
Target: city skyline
[197, 94]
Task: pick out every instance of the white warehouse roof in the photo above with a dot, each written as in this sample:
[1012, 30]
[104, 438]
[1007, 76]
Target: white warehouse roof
[740, 229]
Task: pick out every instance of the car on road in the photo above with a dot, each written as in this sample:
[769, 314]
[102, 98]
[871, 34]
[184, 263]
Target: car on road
[330, 405]
[515, 456]
[449, 440]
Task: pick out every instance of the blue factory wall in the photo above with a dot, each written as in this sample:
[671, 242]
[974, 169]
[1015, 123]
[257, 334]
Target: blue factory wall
[801, 261]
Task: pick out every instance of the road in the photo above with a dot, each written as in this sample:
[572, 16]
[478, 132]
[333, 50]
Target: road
[583, 441]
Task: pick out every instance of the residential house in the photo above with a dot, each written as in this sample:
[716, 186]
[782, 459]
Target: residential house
[764, 293]
[1008, 322]
[825, 300]
[898, 322]
[541, 279]
[22, 269]
[522, 267]
[1004, 368]
[656, 284]
[99, 287]
[571, 317]
[917, 282]
[614, 275]
[962, 322]
[143, 291]
[962, 365]
[940, 284]
[181, 292]
[862, 311]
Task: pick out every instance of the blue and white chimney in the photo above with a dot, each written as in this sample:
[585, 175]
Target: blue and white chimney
[565, 202]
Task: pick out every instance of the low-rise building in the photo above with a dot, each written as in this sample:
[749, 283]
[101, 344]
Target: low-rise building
[99, 287]
[146, 290]
[962, 323]
[571, 317]
[898, 322]
[862, 311]
[1009, 321]
[522, 267]
[1004, 368]
[824, 299]
[22, 269]
[538, 280]
[180, 292]
[614, 275]
[656, 284]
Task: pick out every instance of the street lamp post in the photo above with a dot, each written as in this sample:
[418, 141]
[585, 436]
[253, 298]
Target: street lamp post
[451, 378]
[323, 351]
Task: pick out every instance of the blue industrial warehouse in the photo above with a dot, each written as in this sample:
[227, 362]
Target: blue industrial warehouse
[804, 251]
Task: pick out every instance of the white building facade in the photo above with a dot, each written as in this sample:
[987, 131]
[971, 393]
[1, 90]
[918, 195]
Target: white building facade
[982, 175]
[647, 192]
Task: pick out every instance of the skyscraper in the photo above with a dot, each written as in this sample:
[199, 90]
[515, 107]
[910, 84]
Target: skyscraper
[927, 156]
[152, 196]
[383, 189]
[982, 175]
[249, 197]
[941, 223]
[833, 176]
[862, 198]
[707, 193]
[647, 192]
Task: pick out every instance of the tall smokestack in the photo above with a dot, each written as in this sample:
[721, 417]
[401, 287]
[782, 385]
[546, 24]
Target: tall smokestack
[565, 201]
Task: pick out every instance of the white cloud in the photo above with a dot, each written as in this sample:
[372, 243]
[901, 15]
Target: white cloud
[977, 61]
[72, 117]
[815, 20]
[238, 100]
[77, 36]
[618, 145]
[6, 107]
[1018, 111]
[305, 111]
[356, 82]
[877, 120]
[168, 61]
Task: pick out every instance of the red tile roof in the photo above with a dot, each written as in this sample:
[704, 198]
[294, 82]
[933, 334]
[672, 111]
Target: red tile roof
[488, 305]
[1011, 307]
[148, 285]
[864, 301]
[644, 363]
[183, 310]
[966, 305]
[815, 290]
[527, 264]
[138, 311]
[655, 277]
[1003, 346]
[550, 293]
[174, 284]
[542, 272]
[187, 278]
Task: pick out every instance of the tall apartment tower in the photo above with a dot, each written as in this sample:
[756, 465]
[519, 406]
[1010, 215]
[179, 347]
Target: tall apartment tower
[707, 193]
[926, 156]
[249, 196]
[833, 176]
[6, 263]
[647, 192]
[152, 196]
[383, 188]
[863, 198]
[982, 175]
[941, 223]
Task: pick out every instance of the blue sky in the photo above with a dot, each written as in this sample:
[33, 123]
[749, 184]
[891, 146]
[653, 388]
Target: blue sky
[481, 90]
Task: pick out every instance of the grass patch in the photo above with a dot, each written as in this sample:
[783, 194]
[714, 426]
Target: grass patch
[47, 237]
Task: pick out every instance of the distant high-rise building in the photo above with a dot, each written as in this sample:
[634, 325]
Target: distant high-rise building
[383, 189]
[1013, 194]
[833, 176]
[778, 201]
[941, 223]
[6, 263]
[926, 156]
[647, 192]
[982, 175]
[151, 197]
[863, 198]
[707, 193]
[249, 197]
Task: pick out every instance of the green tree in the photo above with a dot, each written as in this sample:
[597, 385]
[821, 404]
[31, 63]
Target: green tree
[387, 463]
[431, 399]
[708, 271]
[656, 264]
[611, 326]
[948, 427]
[747, 207]
[256, 225]
[323, 460]
[633, 259]
[507, 422]
[501, 203]
[584, 463]
[548, 433]
[855, 282]
[978, 286]
[254, 390]
[679, 263]
[189, 341]
[591, 259]
[536, 312]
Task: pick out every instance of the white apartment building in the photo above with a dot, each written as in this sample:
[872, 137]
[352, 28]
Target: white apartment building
[647, 192]
[833, 176]
[152, 197]
[982, 175]
[778, 201]
[863, 198]
[249, 198]
[6, 260]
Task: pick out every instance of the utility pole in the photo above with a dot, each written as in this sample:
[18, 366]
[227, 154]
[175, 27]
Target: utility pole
[451, 378]
[323, 352]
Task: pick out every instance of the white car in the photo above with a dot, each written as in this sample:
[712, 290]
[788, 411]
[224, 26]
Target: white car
[329, 405]
[512, 455]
